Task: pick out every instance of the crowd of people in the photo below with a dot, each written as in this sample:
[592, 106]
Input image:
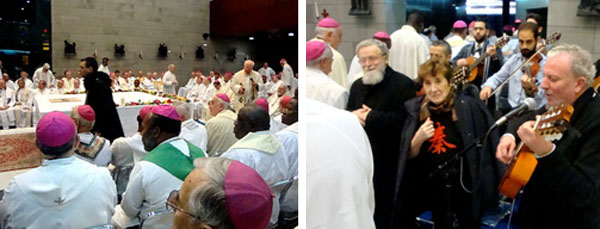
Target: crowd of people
[410, 126]
[235, 168]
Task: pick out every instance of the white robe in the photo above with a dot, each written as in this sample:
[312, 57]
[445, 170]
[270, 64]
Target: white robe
[408, 51]
[169, 83]
[220, 132]
[194, 133]
[148, 188]
[239, 80]
[339, 168]
[69, 84]
[39, 74]
[7, 117]
[104, 69]
[321, 88]
[338, 69]
[271, 165]
[288, 77]
[288, 138]
[62, 193]
[456, 44]
[267, 72]
[354, 69]
[147, 84]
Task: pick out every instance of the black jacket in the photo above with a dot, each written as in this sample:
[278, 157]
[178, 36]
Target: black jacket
[564, 190]
[474, 120]
[383, 125]
[99, 97]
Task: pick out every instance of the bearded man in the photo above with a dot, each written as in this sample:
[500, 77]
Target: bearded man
[377, 99]
[519, 87]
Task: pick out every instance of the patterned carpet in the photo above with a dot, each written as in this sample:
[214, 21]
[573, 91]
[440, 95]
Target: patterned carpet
[18, 150]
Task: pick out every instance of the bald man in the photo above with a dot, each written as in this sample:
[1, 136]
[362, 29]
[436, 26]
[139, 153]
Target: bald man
[245, 86]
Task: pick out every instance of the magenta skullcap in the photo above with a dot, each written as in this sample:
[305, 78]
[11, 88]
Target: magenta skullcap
[262, 102]
[166, 111]
[472, 24]
[282, 60]
[86, 112]
[249, 200]
[381, 35]
[285, 100]
[144, 111]
[223, 97]
[518, 21]
[314, 49]
[328, 23]
[460, 24]
[55, 129]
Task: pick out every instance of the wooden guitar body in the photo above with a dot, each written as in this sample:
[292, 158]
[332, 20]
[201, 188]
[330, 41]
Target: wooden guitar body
[518, 173]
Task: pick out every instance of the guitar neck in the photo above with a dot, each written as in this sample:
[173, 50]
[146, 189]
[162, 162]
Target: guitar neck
[479, 60]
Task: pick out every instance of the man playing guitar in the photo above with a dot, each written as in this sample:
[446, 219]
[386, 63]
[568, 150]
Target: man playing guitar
[564, 189]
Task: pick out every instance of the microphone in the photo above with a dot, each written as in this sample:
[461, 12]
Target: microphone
[529, 104]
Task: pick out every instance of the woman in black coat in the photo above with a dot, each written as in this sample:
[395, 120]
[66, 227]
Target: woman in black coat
[439, 125]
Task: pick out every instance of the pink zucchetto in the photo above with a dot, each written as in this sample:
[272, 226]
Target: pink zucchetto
[328, 23]
[223, 97]
[86, 112]
[166, 111]
[55, 129]
[460, 24]
[381, 35]
[314, 49]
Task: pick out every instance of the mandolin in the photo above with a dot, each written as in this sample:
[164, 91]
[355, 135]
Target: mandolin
[551, 124]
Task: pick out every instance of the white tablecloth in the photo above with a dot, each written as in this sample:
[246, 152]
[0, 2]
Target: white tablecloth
[127, 114]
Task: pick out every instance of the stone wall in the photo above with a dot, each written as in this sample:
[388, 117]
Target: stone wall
[582, 31]
[388, 15]
[97, 25]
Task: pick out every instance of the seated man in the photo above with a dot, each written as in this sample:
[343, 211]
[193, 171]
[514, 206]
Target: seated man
[42, 89]
[221, 193]
[220, 128]
[126, 151]
[191, 131]
[60, 88]
[69, 81]
[274, 126]
[23, 104]
[147, 82]
[260, 150]
[91, 148]
[7, 115]
[169, 161]
[77, 87]
[276, 98]
[65, 192]
[289, 140]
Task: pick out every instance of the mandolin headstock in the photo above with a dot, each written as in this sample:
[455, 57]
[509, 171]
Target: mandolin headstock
[554, 122]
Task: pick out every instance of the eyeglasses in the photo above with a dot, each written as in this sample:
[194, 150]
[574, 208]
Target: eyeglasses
[173, 198]
[369, 58]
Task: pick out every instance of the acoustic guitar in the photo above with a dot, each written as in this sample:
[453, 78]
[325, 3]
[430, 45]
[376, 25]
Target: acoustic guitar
[551, 125]
[476, 67]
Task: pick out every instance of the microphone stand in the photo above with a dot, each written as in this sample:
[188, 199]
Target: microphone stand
[450, 217]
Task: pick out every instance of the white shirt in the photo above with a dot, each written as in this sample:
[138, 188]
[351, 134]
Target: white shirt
[127, 150]
[321, 88]
[6, 97]
[408, 51]
[69, 84]
[272, 166]
[123, 83]
[47, 76]
[104, 69]
[169, 83]
[148, 84]
[197, 92]
[103, 157]
[62, 193]
[354, 69]
[267, 72]
[339, 168]
[288, 138]
[456, 43]
[194, 133]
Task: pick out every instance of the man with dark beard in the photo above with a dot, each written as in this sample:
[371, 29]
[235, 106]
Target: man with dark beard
[99, 97]
[377, 99]
[522, 85]
[477, 49]
[169, 160]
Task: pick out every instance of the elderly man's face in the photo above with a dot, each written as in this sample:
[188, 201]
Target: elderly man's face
[21, 83]
[69, 74]
[370, 58]
[560, 84]
[195, 179]
[247, 67]
[215, 107]
[76, 83]
[42, 85]
[60, 84]
[281, 90]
